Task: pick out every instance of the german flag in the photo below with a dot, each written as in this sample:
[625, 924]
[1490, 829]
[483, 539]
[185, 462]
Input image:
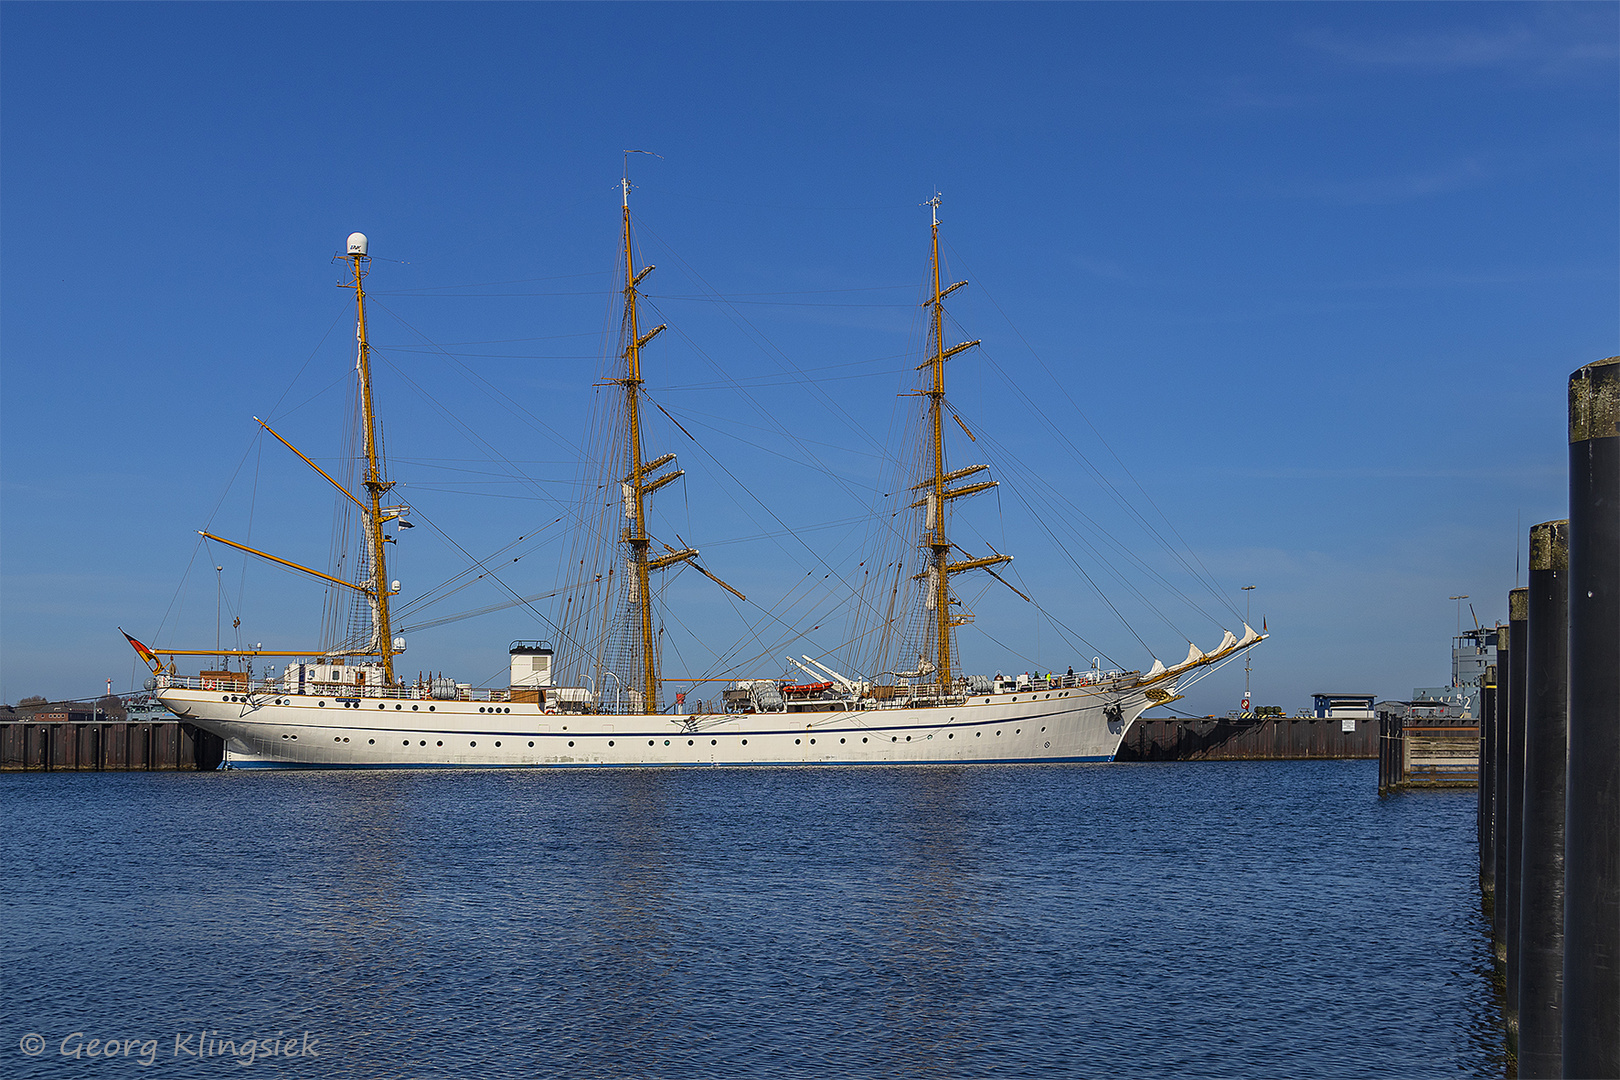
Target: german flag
[145, 654]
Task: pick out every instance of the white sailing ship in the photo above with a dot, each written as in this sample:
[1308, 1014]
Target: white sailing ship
[344, 707]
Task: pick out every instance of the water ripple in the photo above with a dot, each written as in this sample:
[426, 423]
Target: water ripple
[1201, 920]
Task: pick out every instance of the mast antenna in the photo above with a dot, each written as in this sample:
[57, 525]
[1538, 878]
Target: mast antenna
[626, 180]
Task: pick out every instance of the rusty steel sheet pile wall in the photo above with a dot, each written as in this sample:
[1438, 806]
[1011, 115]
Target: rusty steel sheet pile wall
[1274, 738]
[99, 747]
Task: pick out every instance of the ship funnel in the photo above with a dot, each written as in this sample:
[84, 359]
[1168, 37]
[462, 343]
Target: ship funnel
[357, 243]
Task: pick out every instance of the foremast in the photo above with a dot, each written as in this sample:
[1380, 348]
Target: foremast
[377, 591]
[641, 478]
[937, 494]
[376, 487]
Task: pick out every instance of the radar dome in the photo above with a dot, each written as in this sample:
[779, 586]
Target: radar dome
[357, 243]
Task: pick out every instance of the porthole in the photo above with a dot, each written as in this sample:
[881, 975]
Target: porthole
[714, 742]
[1017, 731]
[345, 738]
[896, 738]
[473, 743]
[649, 742]
[1043, 729]
[908, 738]
[497, 742]
[371, 742]
[812, 742]
[796, 742]
[480, 708]
[408, 742]
[336, 739]
[998, 733]
[295, 738]
[381, 705]
[978, 734]
[666, 741]
[424, 742]
[951, 735]
[399, 706]
[570, 742]
[225, 697]
[1049, 746]
[531, 743]
[610, 743]
[320, 704]
[415, 707]
[745, 742]
[688, 742]
[432, 707]
[863, 738]
[842, 741]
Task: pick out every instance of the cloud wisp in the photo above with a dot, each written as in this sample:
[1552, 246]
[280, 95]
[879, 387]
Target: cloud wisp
[1557, 40]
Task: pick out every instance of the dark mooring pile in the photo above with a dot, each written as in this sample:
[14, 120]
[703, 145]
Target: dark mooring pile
[1549, 766]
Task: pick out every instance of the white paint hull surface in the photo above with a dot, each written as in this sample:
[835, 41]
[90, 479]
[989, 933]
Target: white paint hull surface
[278, 730]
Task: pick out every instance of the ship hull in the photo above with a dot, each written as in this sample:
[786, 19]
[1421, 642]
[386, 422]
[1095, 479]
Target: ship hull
[270, 730]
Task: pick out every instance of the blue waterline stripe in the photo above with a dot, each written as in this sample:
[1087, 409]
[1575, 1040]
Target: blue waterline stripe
[268, 765]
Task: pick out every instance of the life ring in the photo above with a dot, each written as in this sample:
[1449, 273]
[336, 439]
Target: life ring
[551, 712]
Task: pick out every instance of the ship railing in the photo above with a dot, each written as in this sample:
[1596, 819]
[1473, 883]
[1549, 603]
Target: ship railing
[277, 687]
[1019, 684]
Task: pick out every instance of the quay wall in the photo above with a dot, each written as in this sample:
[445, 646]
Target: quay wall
[1273, 738]
[112, 746]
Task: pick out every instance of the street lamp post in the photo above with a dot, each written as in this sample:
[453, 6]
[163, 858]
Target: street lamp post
[1459, 600]
[1246, 652]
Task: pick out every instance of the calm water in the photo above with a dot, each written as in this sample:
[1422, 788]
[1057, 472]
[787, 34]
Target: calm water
[1221, 919]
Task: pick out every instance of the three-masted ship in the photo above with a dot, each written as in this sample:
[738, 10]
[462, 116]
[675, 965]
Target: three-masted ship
[596, 697]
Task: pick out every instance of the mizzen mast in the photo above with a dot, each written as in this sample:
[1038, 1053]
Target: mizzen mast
[642, 477]
[937, 495]
[375, 485]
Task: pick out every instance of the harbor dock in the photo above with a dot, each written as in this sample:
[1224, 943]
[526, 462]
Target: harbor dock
[95, 740]
[1270, 738]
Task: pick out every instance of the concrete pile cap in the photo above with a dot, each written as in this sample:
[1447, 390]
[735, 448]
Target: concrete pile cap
[1549, 545]
[1594, 401]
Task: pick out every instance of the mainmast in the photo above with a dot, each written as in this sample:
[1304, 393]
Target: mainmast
[639, 481]
[937, 493]
[375, 485]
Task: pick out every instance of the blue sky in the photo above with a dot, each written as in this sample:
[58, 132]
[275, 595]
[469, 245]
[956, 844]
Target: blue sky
[1306, 279]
